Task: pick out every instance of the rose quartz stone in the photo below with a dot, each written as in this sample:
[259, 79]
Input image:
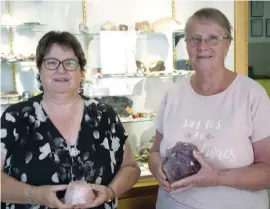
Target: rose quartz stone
[78, 193]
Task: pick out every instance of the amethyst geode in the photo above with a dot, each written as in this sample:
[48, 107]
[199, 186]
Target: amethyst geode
[179, 162]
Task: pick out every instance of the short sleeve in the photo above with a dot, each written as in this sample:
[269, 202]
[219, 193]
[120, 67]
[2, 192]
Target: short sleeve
[160, 114]
[9, 130]
[260, 115]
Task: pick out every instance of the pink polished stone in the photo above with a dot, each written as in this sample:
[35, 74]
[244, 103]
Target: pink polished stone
[78, 193]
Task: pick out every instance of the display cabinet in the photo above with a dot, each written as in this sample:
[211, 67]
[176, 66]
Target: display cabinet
[135, 51]
[129, 64]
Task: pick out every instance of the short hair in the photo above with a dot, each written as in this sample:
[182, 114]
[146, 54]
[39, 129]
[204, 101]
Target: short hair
[65, 39]
[211, 14]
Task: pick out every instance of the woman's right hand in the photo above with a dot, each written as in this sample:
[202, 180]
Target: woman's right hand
[155, 163]
[161, 178]
[46, 195]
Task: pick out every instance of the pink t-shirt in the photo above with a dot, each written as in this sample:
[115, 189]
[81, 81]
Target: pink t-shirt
[223, 127]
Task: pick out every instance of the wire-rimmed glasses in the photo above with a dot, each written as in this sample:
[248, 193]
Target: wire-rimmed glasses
[210, 40]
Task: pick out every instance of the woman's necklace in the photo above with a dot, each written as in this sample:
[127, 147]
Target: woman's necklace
[72, 150]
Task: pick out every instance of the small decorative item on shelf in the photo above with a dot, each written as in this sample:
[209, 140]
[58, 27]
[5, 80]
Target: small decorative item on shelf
[166, 24]
[83, 28]
[13, 97]
[143, 155]
[143, 26]
[138, 116]
[183, 64]
[123, 27]
[143, 115]
[108, 26]
[10, 97]
[122, 105]
[32, 57]
[155, 68]
[26, 95]
[7, 57]
[143, 149]
[188, 66]
[135, 118]
[20, 57]
[15, 58]
[141, 69]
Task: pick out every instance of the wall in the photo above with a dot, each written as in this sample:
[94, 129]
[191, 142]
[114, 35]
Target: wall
[67, 15]
[259, 47]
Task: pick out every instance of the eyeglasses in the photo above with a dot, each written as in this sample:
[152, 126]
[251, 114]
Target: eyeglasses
[53, 64]
[210, 40]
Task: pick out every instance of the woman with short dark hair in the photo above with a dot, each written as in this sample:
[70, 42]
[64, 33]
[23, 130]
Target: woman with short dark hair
[60, 137]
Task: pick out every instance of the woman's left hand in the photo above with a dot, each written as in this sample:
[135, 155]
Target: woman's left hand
[102, 194]
[207, 176]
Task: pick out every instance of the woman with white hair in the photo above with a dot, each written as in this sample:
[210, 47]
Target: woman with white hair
[226, 115]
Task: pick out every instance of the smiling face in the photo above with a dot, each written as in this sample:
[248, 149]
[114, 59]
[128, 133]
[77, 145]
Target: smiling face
[204, 56]
[60, 80]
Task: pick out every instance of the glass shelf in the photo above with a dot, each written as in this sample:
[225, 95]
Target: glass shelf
[24, 26]
[18, 62]
[86, 34]
[134, 120]
[122, 119]
[139, 34]
[182, 74]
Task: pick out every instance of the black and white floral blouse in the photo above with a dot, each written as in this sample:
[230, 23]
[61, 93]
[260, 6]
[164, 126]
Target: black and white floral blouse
[37, 154]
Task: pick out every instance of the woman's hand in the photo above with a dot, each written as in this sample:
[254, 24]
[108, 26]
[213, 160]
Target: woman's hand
[208, 176]
[102, 194]
[162, 179]
[46, 195]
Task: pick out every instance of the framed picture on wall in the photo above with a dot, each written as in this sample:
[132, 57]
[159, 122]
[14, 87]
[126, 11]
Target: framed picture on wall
[256, 27]
[256, 8]
[267, 27]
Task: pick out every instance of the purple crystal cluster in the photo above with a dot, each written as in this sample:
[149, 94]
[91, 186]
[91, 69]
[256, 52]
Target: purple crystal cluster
[179, 162]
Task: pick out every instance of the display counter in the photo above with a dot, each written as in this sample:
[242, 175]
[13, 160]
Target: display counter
[143, 195]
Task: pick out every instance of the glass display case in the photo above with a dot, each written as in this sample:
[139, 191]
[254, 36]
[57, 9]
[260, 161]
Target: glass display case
[135, 51]
[132, 59]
